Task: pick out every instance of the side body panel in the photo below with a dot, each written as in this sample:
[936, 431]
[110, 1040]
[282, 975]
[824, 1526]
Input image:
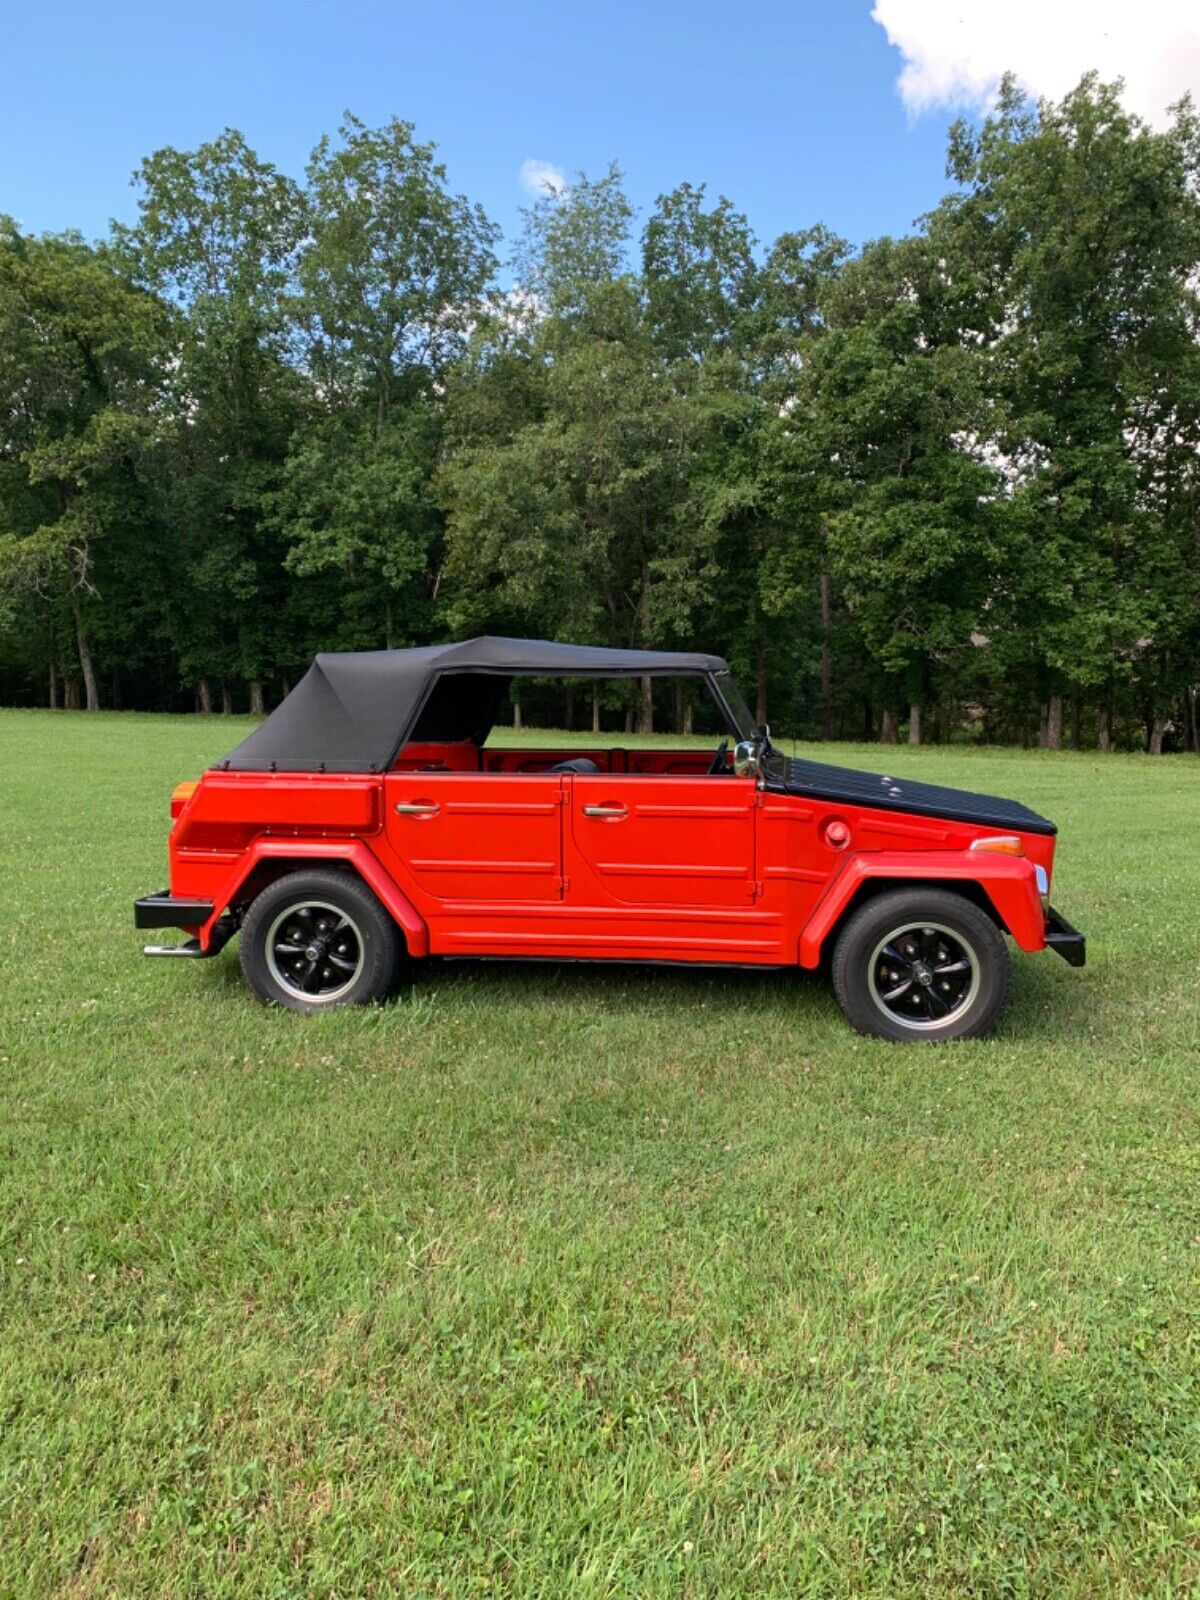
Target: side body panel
[643, 861]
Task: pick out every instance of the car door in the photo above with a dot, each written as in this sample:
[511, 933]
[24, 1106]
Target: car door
[654, 840]
[485, 838]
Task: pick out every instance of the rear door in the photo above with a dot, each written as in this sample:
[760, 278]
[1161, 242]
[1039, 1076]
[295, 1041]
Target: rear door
[479, 837]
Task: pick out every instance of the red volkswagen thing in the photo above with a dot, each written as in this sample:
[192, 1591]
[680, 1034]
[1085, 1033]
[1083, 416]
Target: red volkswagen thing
[368, 822]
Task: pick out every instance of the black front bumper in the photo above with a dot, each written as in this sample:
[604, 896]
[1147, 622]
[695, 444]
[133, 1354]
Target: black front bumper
[163, 910]
[1065, 940]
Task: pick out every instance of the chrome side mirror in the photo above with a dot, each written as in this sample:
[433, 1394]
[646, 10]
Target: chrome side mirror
[745, 759]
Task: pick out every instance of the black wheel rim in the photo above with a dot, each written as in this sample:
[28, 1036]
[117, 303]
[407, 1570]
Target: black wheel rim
[314, 951]
[924, 976]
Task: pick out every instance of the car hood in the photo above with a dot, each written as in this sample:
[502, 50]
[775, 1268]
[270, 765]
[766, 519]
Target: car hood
[849, 786]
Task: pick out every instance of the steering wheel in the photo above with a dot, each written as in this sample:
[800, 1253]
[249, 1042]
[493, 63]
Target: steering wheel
[717, 766]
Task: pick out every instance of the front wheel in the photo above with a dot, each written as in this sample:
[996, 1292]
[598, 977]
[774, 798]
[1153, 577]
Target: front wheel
[316, 940]
[921, 965]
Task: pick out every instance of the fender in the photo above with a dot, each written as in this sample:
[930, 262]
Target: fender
[349, 852]
[1009, 882]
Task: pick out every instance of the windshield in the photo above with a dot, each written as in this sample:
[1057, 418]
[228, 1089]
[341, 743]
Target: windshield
[744, 724]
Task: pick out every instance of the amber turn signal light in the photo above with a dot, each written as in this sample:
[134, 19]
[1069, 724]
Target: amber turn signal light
[999, 844]
[180, 795]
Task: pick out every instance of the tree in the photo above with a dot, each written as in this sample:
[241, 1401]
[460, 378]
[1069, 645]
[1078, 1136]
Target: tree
[1094, 220]
[763, 481]
[391, 278]
[82, 357]
[903, 397]
[218, 235]
[570, 511]
[956, 472]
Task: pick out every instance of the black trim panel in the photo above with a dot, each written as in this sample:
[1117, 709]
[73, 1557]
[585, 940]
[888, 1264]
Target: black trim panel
[1065, 940]
[162, 910]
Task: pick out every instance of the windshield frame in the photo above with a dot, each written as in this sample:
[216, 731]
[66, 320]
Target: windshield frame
[733, 703]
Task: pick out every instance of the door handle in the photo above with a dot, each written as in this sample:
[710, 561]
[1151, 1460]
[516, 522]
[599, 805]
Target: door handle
[605, 811]
[416, 808]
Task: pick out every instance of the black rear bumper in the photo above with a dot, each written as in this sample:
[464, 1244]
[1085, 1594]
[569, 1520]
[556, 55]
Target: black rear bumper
[163, 910]
[1065, 940]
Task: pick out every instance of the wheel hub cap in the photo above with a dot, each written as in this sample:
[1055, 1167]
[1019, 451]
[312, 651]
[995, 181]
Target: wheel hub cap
[923, 976]
[315, 951]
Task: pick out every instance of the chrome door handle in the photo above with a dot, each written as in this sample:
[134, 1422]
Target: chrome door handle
[605, 811]
[416, 808]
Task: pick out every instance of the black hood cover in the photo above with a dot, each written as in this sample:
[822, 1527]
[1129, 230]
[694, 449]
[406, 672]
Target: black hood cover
[351, 712]
[848, 786]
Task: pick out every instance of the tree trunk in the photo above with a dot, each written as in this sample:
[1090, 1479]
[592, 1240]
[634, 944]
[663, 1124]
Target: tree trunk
[595, 712]
[1076, 722]
[1104, 730]
[826, 665]
[760, 678]
[203, 697]
[916, 713]
[688, 715]
[53, 684]
[85, 657]
[517, 722]
[645, 721]
[1052, 738]
[1193, 722]
[226, 700]
[1158, 726]
[257, 706]
[629, 720]
[887, 731]
[71, 694]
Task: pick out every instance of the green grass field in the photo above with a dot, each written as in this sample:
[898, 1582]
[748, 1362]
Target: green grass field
[591, 1281]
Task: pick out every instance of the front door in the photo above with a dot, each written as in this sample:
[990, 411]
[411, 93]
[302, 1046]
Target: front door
[665, 841]
[662, 868]
[477, 837]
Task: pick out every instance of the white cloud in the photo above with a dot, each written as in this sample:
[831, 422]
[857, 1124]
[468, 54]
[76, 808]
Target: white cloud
[955, 51]
[541, 178]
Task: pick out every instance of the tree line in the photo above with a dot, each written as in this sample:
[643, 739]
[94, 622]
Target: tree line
[940, 485]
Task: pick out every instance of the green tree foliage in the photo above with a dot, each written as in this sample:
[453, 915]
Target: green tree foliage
[571, 508]
[217, 237]
[948, 480]
[1093, 223]
[81, 370]
[391, 278]
[900, 393]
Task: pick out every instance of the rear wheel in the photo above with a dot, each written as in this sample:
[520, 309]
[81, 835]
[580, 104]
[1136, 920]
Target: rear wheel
[921, 965]
[317, 940]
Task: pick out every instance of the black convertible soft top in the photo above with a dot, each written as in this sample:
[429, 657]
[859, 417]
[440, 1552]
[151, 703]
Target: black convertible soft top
[351, 712]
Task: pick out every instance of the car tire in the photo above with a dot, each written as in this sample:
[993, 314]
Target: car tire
[317, 940]
[921, 965]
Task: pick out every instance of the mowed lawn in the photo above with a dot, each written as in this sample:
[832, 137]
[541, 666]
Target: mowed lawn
[590, 1281]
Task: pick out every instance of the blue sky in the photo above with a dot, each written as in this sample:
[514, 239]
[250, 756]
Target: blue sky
[801, 112]
[791, 110]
